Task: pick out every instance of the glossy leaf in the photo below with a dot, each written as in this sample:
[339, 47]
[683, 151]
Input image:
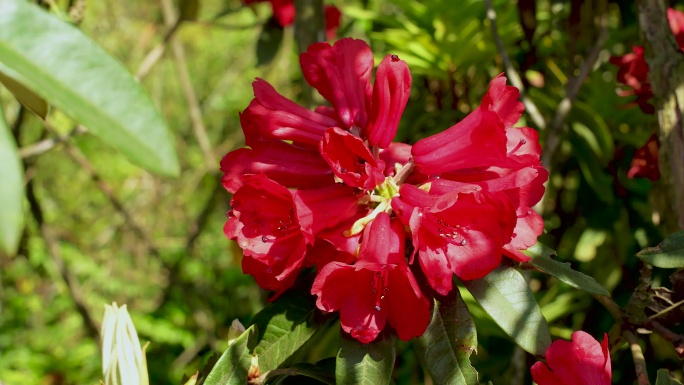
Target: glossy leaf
[541, 259]
[505, 295]
[323, 371]
[25, 96]
[11, 191]
[664, 377]
[669, 253]
[285, 326]
[74, 74]
[234, 364]
[365, 364]
[448, 342]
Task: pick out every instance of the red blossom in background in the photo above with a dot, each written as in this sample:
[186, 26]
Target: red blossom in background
[645, 161]
[328, 188]
[284, 13]
[578, 362]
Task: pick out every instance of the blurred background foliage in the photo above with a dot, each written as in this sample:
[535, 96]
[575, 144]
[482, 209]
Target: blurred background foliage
[156, 244]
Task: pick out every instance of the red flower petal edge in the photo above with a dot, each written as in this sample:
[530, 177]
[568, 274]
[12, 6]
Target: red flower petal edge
[580, 361]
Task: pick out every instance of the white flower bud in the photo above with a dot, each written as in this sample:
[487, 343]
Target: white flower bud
[123, 359]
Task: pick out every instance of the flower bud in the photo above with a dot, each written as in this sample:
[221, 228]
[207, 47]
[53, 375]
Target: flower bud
[123, 359]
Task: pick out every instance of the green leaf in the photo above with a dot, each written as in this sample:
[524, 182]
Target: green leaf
[74, 74]
[25, 96]
[188, 9]
[505, 295]
[323, 371]
[669, 253]
[541, 259]
[11, 191]
[285, 326]
[664, 377]
[448, 342]
[234, 364]
[270, 38]
[365, 364]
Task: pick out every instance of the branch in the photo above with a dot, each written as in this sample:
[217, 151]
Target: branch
[156, 53]
[530, 107]
[675, 339]
[572, 88]
[46, 145]
[190, 96]
[638, 356]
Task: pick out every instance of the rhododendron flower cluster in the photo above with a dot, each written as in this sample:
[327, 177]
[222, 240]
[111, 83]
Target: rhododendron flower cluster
[284, 14]
[329, 188]
[633, 69]
[580, 361]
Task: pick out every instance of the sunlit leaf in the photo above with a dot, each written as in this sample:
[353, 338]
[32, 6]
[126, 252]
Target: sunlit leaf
[25, 96]
[365, 364]
[505, 295]
[74, 74]
[323, 371]
[541, 259]
[668, 254]
[234, 364]
[285, 326]
[448, 342]
[664, 377]
[11, 191]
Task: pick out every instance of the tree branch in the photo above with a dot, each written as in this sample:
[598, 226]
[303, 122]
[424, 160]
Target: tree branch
[638, 357]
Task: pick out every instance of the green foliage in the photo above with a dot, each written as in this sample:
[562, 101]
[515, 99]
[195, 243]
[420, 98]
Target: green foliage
[448, 342]
[365, 364]
[65, 67]
[235, 362]
[25, 96]
[541, 259]
[506, 296]
[668, 254]
[665, 378]
[12, 192]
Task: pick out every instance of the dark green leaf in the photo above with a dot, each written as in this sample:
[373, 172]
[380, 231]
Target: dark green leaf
[11, 191]
[505, 295]
[25, 96]
[234, 364]
[323, 371]
[541, 259]
[664, 377]
[669, 253]
[365, 364]
[269, 42]
[284, 326]
[448, 342]
[73, 73]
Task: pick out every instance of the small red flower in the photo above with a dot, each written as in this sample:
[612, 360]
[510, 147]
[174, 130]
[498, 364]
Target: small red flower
[332, 21]
[580, 361]
[645, 161]
[284, 13]
[378, 288]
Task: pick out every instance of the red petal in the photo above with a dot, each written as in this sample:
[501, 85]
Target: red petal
[580, 361]
[351, 160]
[283, 11]
[341, 74]
[676, 21]
[409, 309]
[332, 21]
[391, 92]
[543, 376]
[503, 100]
[288, 165]
[645, 161]
[272, 116]
[478, 140]
[323, 208]
[383, 242]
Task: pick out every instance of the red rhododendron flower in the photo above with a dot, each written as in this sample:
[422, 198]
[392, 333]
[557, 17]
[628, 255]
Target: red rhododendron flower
[328, 188]
[645, 161]
[284, 13]
[578, 362]
[633, 69]
[378, 288]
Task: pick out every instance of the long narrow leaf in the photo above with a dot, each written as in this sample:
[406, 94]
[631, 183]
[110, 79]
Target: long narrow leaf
[59, 63]
[505, 295]
[11, 191]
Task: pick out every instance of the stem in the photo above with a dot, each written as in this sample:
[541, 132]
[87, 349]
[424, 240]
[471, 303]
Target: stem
[638, 356]
[404, 173]
[675, 339]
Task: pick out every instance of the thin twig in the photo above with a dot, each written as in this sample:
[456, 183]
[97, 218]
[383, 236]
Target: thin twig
[195, 109]
[572, 88]
[69, 279]
[512, 73]
[677, 340]
[638, 357]
[611, 306]
[156, 53]
[46, 145]
[666, 310]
